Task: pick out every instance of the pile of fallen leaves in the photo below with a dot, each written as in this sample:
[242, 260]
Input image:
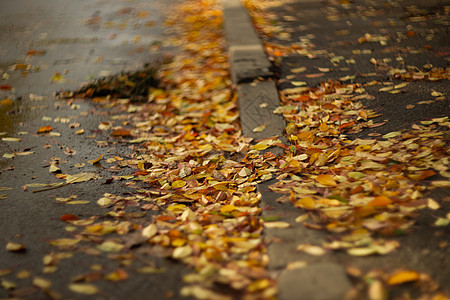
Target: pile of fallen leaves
[192, 164]
[185, 137]
[361, 191]
[133, 85]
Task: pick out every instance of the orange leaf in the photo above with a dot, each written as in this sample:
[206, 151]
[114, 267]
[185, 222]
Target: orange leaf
[402, 277]
[121, 132]
[425, 174]
[410, 33]
[345, 125]
[380, 201]
[165, 218]
[118, 275]
[327, 180]
[69, 217]
[94, 161]
[5, 87]
[45, 129]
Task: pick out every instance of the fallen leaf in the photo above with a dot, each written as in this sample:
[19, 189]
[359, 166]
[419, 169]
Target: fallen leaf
[95, 161]
[121, 132]
[44, 129]
[54, 168]
[14, 247]
[380, 201]
[81, 177]
[42, 283]
[298, 70]
[312, 249]
[69, 217]
[182, 252]
[277, 224]
[118, 275]
[104, 201]
[83, 288]
[64, 242]
[178, 184]
[400, 277]
[150, 231]
[110, 246]
[10, 139]
[259, 128]
[326, 180]
[150, 270]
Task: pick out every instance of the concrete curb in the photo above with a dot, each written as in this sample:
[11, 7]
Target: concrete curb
[247, 57]
[248, 61]
[257, 99]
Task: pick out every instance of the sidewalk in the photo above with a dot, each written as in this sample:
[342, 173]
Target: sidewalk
[396, 54]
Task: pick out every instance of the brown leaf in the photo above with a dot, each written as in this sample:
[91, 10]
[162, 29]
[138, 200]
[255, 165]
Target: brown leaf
[121, 132]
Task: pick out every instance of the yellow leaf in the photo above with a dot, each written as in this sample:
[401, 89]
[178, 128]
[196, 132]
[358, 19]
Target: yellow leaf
[305, 202]
[363, 148]
[150, 270]
[176, 207]
[364, 251]
[150, 231]
[323, 127]
[104, 201]
[258, 285]
[13, 247]
[441, 183]
[178, 184]
[10, 139]
[392, 134]
[83, 288]
[301, 218]
[402, 277]
[260, 146]
[312, 249]
[110, 246]
[259, 128]
[299, 83]
[118, 275]
[326, 180]
[42, 283]
[228, 208]
[53, 168]
[94, 161]
[182, 252]
[6, 102]
[81, 177]
[298, 70]
[7, 285]
[64, 242]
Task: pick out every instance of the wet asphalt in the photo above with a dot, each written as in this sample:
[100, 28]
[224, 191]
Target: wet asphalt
[46, 47]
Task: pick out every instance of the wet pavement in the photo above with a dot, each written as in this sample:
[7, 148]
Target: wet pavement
[46, 47]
